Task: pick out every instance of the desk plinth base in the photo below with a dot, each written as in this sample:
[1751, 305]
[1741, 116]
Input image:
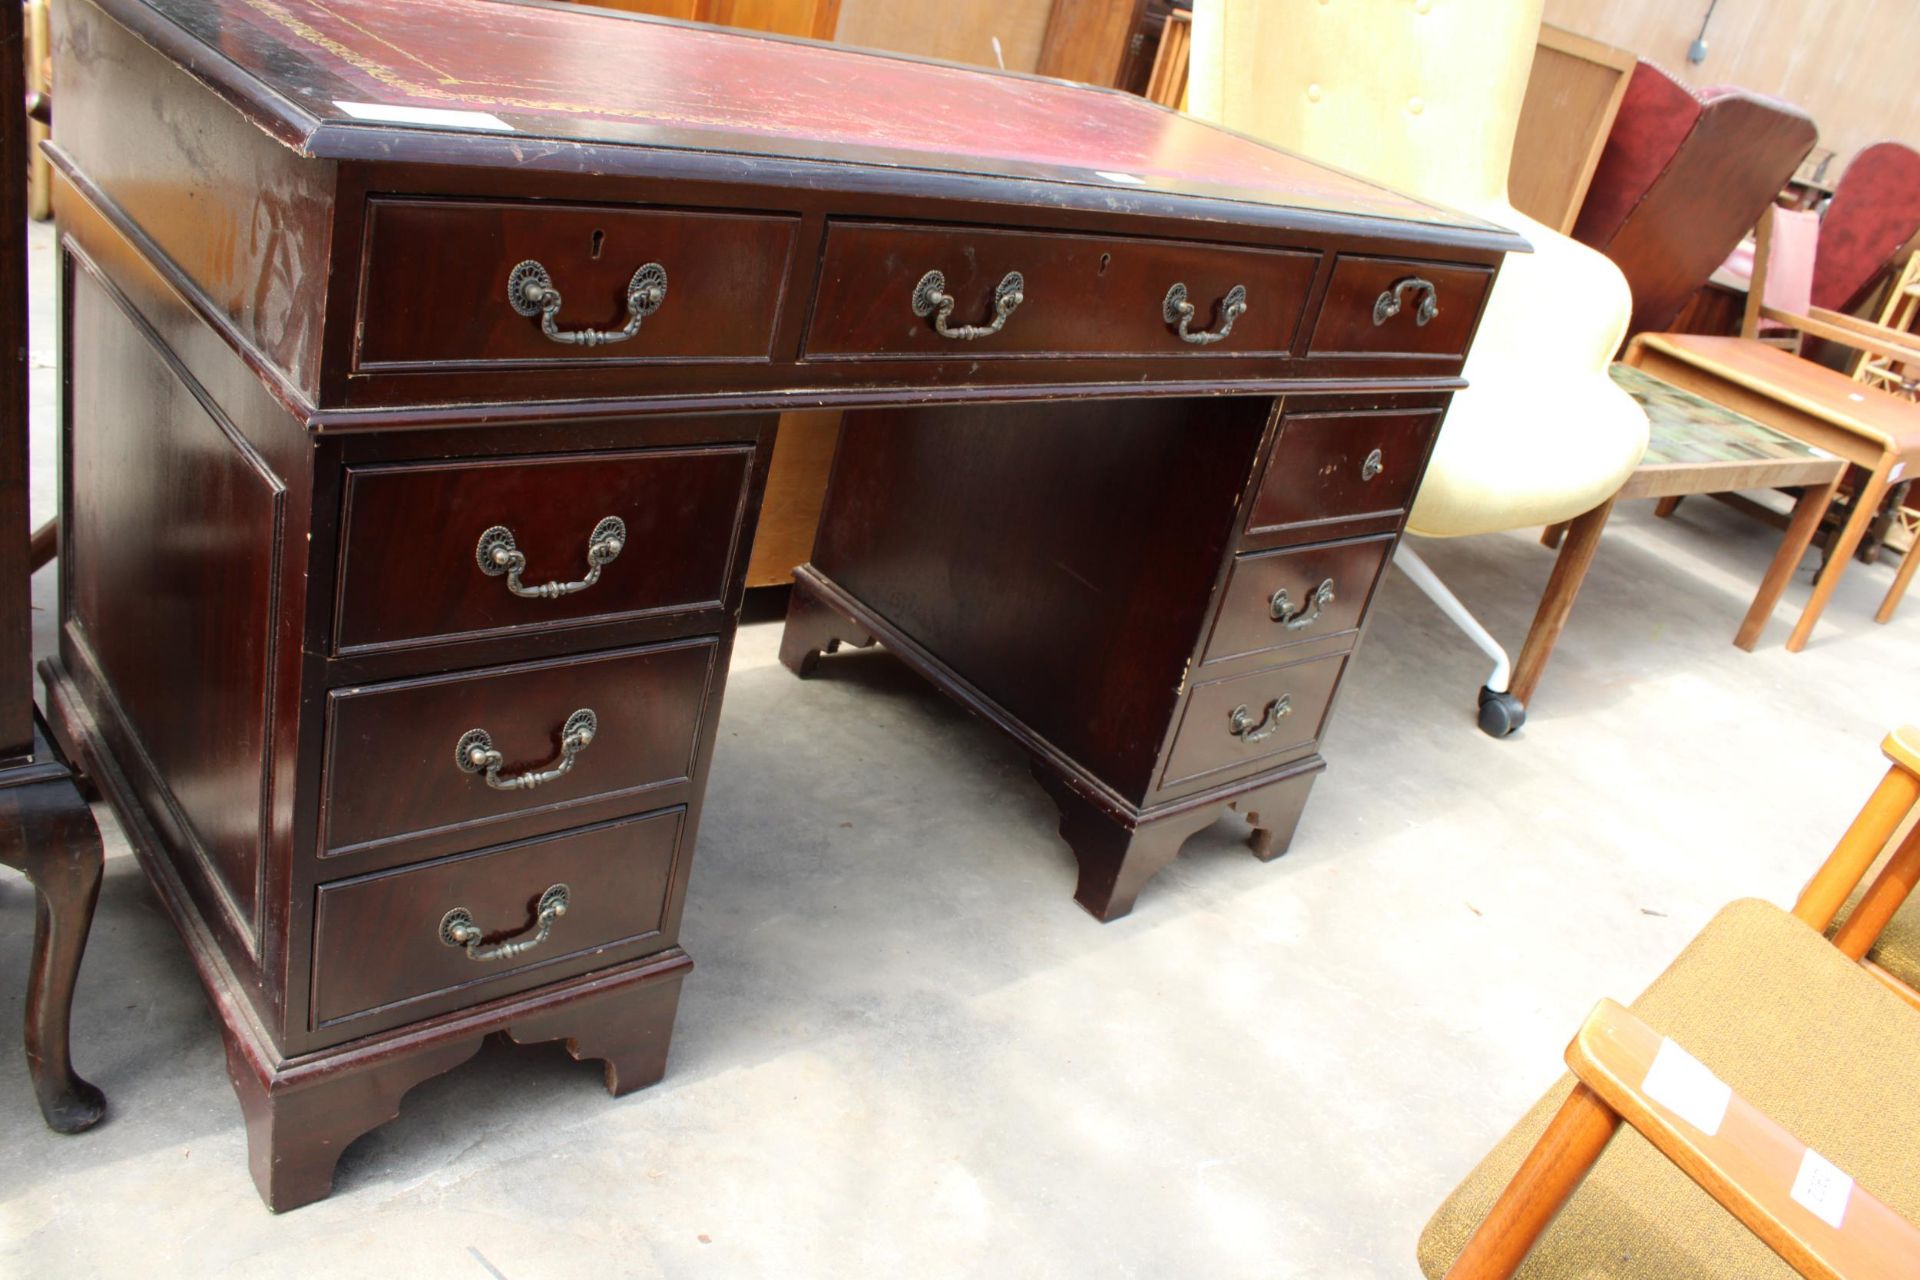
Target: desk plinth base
[1119, 846]
[303, 1111]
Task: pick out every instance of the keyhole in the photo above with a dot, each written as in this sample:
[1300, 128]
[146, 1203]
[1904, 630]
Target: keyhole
[599, 238]
[1105, 258]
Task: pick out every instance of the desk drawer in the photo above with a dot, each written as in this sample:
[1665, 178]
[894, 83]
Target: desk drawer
[1246, 719]
[399, 763]
[1392, 306]
[434, 288]
[1281, 598]
[1329, 467]
[1080, 295]
[413, 570]
[384, 943]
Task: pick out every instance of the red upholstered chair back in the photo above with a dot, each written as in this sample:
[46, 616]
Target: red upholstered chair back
[1875, 210]
[1685, 174]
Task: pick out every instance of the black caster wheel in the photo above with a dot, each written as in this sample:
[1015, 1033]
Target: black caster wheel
[1500, 713]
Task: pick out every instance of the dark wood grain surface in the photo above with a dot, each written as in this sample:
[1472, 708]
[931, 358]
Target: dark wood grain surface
[1061, 555]
[1292, 700]
[433, 292]
[1083, 294]
[1347, 325]
[1318, 471]
[177, 523]
[391, 769]
[296, 394]
[409, 574]
[1247, 623]
[616, 875]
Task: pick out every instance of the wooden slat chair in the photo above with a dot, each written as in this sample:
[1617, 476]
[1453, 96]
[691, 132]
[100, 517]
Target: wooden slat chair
[1877, 920]
[1820, 1053]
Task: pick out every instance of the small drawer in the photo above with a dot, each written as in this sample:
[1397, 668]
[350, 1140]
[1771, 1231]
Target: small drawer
[1396, 307]
[400, 763]
[413, 569]
[1331, 467]
[1280, 598]
[435, 283]
[384, 943]
[1235, 722]
[1079, 295]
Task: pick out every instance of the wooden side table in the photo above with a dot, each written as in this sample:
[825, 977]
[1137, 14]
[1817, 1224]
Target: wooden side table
[1696, 447]
[1874, 431]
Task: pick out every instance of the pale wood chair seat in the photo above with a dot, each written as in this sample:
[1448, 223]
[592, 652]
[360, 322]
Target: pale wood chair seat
[1798, 1030]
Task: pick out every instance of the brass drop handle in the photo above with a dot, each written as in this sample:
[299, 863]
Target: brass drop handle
[530, 290]
[457, 929]
[930, 298]
[1299, 618]
[1387, 305]
[1178, 310]
[1372, 466]
[498, 554]
[475, 753]
[1242, 725]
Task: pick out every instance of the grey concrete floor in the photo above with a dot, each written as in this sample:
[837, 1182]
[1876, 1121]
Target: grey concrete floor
[906, 1052]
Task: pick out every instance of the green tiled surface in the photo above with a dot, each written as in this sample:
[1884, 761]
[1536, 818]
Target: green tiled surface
[1687, 429]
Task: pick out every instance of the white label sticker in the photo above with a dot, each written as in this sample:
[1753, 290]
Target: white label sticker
[1682, 1084]
[1126, 179]
[440, 117]
[1822, 1189]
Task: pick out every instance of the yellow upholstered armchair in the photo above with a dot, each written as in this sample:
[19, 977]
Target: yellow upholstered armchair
[1425, 96]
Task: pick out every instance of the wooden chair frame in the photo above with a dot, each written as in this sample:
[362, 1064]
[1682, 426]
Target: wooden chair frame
[1818, 322]
[1898, 312]
[1749, 1166]
[1890, 805]
[1892, 345]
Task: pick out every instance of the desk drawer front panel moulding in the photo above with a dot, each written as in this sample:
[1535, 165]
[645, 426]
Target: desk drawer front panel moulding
[404, 546]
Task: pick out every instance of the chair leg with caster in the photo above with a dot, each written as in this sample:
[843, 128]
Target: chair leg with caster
[1500, 712]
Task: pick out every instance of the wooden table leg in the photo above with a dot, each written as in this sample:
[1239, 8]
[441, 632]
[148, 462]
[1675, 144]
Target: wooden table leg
[1805, 522]
[1908, 563]
[1668, 505]
[1865, 507]
[47, 831]
[1569, 570]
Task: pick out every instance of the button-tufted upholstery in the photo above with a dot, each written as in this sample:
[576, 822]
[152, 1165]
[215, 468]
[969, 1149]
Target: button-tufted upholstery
[1424, 96]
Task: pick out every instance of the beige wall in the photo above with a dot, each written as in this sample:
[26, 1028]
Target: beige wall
[958, 30]
[1853, 65]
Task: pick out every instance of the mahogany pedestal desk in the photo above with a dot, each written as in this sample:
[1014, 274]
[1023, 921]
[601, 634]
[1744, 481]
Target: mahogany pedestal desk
[420, 366]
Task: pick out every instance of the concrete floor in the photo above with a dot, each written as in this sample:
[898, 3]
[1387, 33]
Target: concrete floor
[906, 1052]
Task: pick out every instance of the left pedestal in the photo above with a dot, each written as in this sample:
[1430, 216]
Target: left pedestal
[409, 725]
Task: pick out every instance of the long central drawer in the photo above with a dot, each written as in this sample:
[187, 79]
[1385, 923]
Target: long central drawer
[1078, 295]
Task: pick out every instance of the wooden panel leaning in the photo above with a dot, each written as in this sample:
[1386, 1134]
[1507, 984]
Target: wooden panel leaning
[1572, 98]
